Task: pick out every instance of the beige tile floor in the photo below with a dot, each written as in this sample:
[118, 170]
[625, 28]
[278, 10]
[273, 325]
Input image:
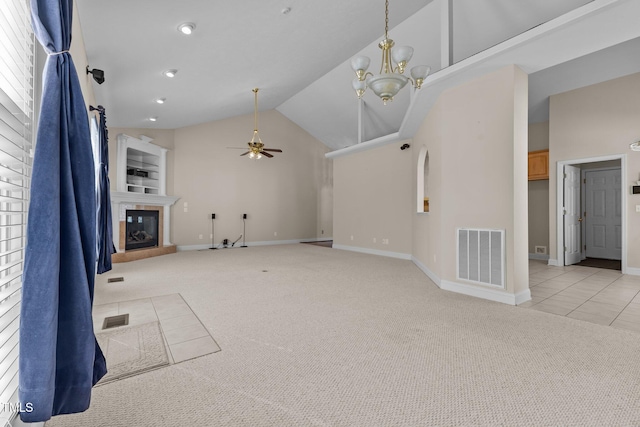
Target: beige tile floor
[606, 297]
[185, 336]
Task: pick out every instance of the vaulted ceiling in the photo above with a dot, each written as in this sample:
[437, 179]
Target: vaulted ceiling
[298, 52]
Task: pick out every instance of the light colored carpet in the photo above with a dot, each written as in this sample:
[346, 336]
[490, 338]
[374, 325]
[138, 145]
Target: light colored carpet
[132, 350]
[327, 337]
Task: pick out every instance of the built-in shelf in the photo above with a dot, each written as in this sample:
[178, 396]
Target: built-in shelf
[141, 166]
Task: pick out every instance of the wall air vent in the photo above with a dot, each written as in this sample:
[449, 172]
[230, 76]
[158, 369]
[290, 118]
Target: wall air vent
[480, 256]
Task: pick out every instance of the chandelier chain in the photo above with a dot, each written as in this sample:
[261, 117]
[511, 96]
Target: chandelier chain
[386, 19]
[255, 110]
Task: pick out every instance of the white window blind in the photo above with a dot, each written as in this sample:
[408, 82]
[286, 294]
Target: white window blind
[17, 50]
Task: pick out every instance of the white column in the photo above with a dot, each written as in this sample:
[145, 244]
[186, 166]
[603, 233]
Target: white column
[166, 225]
[360, 107]
[446, 33]
[162, 178]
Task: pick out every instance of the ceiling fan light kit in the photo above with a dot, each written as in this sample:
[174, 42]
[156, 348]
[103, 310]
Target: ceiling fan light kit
[391, 79]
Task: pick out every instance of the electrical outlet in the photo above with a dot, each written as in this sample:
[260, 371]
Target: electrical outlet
[211, 236]
[375, 240]
[200, 236]
[186, 204]
[434, 258]
[275, 234]
[351, 237]
[385, 241]
[637, 208]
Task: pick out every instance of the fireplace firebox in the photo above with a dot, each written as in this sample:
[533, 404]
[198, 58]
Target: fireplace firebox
[141, 229]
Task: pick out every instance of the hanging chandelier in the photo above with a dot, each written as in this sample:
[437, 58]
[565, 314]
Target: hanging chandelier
[391, 79]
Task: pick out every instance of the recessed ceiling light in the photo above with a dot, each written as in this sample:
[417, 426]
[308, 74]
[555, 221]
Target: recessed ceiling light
[187, 28]
[161, 100]
[170, 73]
[153, 119]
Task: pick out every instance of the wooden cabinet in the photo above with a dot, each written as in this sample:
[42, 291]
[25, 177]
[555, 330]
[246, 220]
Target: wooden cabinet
[538, 165]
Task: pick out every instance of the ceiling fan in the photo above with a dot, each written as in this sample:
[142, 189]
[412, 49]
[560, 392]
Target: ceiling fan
[256, 146]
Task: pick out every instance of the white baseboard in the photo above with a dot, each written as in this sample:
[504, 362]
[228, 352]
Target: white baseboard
[632, 271]
[474, 291]
[317, 239]
[278, 242]
[486, 293]
[541, 257]
[181, 248]
[389, 254]
[523, 296]
[553, 262]
[239, 244]
[430, 274]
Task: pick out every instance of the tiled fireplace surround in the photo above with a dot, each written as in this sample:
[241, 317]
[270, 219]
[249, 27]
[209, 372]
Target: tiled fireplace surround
[120, 202]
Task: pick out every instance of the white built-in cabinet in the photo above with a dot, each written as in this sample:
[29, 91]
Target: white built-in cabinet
[141, 166]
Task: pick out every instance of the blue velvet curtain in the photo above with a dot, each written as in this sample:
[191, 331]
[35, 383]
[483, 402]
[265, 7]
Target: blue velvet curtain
[60, 359]
[105, 226]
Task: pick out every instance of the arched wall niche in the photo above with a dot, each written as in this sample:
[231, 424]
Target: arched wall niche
[423, 181]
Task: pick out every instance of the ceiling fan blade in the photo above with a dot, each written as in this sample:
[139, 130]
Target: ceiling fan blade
[244, 154]
[237, 148]
[264, 153]
[275, 150]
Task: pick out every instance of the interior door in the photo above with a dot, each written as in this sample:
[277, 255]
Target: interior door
[572, 219]
[603, 220]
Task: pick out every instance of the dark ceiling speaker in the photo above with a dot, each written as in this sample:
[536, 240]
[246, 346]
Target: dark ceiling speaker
[98, 75]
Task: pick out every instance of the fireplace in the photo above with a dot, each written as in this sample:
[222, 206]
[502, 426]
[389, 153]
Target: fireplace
[141, 229]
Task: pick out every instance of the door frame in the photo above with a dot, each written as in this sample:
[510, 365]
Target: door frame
[560, 203]
[571, 218]
[583, 199]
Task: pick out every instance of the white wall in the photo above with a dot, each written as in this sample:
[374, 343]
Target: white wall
[595, 121]
[477, 141]
[476, 136]
[538, 192]
[373, 200]
[287, 197]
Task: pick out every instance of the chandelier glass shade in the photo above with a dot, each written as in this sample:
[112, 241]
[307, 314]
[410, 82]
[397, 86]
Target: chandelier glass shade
[391, 78]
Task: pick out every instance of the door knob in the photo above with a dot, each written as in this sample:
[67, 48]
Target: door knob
[580, 219]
